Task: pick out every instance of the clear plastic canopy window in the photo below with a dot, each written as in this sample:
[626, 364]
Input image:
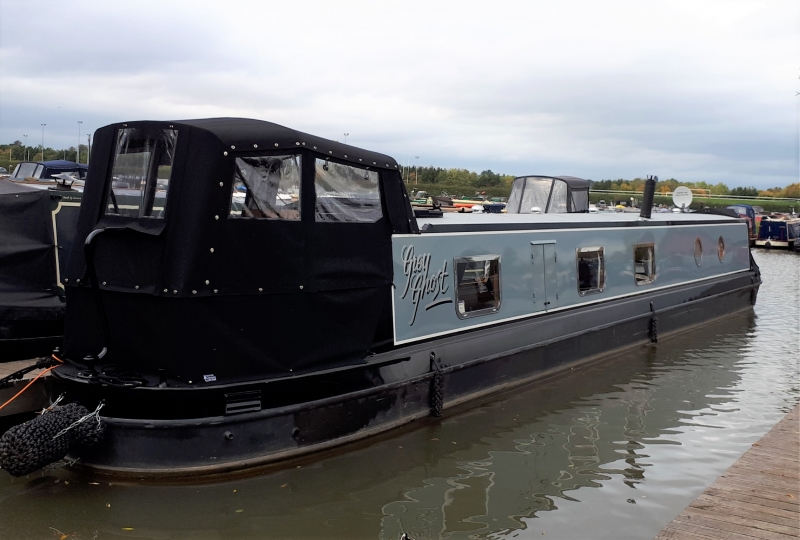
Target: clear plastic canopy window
[267, 187]
[346, 194]
[141, 173]
[529, 193]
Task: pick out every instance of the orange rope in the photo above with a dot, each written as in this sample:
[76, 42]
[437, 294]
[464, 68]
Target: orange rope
[33, 381]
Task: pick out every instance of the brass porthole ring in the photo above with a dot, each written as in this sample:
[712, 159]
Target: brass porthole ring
[698, 251]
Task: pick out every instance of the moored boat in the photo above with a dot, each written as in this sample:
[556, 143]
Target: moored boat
[37, 226]
[224, 332]
[778, 232]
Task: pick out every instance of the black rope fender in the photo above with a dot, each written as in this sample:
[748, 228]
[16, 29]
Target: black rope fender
[49, 437]
[437, 393]
[653, 324]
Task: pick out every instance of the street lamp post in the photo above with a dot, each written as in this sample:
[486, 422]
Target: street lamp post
[26, 148]
[416, 178]
[43, 140]
[345, 137]
[88, 147]
[78, 156]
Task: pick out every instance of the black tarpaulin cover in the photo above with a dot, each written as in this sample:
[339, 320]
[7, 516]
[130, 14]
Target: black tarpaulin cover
[203, 292]
[27, 259]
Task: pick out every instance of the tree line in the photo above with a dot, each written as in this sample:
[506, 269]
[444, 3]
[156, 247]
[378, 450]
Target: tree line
[455, 177]
[431, 177]
[12, 154]
[700, 188]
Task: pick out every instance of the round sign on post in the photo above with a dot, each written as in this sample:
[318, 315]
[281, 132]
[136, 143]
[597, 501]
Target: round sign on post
[682, 197]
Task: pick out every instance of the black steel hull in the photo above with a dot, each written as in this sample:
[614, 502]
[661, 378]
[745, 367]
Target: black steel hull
[465, 367]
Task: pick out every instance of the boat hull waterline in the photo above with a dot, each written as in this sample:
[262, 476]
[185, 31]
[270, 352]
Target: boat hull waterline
[217, 445]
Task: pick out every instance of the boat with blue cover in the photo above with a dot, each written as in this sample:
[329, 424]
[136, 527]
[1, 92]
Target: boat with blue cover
[264, 294]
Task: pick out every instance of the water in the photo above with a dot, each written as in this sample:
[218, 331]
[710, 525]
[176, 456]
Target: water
[615, 450]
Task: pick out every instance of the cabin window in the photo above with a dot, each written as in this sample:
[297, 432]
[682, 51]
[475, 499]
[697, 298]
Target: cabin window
[27, 170]
[141, 173]
[721, 249]
[591, 270]
[644, 263]
[477, 285]
[698, 251]
[266, 187]
[346, 193]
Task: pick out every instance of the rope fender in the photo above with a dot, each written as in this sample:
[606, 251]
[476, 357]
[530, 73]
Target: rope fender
[653, 324]
[49, 437]
[437, 395]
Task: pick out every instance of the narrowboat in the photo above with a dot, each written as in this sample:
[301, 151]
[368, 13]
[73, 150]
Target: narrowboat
[778, 232]
[267, 294]
[37, 226]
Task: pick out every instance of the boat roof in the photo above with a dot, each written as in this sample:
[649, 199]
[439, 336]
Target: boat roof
[7, 186]
[242, 134]
[466, 222]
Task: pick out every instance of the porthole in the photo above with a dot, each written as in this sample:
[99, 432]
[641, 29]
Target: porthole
[698, 251]
[721, 249]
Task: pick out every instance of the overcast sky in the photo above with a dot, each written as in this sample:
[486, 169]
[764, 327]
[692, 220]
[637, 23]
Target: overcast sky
[696, 90]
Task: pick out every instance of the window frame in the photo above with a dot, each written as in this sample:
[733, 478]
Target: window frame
[110, 195]
[601, 278]
[698, 246]
[314, 157]
[654, 274]
[498, 295]
[270, 153]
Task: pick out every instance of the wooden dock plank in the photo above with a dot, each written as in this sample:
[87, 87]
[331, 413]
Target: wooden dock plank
[746, 509]
[758, 497]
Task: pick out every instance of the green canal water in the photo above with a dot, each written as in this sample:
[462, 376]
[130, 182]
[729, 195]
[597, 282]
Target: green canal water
[615, 450]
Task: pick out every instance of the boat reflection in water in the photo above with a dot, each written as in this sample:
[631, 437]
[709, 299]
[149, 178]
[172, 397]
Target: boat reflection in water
[479, 472]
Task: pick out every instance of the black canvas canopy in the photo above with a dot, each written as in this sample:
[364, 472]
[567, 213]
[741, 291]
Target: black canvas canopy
[31, 304]
[548, 194]
[195, 281]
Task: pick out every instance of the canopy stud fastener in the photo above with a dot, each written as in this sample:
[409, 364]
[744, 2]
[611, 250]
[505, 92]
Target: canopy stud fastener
[207, 282]
[212, 250]
[136, 287]
[345, 155]
[216, 217]
[330, 151]
[220, 184]
[78, 280]
[315, 148]
[215, 291]
[301, 286]
[297, 144]
[233, 147]
[194, 292]
[124, 125]
[276, 144]
[374, 163]
[225, 153]
[171, 125]
[359, 159]
[255, 146]
[175, 291]
[260, 289]
[104, 283]
[66, 280]
[166, 290]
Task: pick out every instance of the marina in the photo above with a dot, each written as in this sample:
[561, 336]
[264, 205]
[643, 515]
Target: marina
[618, 448]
